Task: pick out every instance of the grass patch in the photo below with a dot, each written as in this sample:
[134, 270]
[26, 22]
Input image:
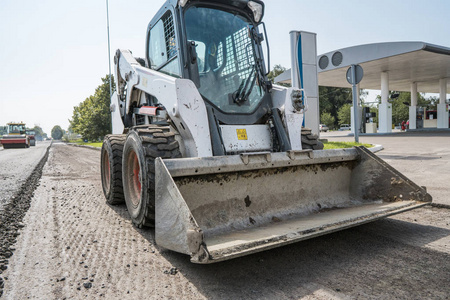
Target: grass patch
[98, 144]
[80, 142]
[340, 145]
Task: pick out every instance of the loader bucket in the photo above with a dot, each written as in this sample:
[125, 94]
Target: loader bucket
[218, 208]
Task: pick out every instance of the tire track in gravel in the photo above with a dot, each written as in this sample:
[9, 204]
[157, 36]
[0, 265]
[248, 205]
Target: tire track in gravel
[12, 214]
[93, 250]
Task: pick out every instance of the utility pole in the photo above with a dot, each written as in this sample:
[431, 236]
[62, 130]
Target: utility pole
[109, 51]
[355, 105]
[109, 57]
[354, 76]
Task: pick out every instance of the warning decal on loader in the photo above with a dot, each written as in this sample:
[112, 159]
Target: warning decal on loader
[241, 134]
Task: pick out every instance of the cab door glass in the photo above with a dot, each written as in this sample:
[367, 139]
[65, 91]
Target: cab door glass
[157, 46]
[163, 51]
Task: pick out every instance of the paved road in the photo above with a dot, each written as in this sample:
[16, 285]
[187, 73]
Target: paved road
[424, 157]
[15, 167]
[75, 246]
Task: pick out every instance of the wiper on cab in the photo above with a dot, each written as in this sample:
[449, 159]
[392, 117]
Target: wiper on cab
[241, 94]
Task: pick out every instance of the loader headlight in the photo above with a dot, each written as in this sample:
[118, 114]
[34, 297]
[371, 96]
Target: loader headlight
[257, 10]
[297, 100]
[182, 2]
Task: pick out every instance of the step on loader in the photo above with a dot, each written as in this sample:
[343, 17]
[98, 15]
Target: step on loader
[210, 153]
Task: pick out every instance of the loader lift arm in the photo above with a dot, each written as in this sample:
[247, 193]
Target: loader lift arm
[179, 97]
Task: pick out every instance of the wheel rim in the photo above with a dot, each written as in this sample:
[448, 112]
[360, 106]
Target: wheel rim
[106, 169]
[135, 182]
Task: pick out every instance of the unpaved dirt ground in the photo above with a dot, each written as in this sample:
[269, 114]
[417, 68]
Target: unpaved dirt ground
[74, 246]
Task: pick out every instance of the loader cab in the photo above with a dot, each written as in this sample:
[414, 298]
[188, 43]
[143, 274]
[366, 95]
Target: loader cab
[217, 45]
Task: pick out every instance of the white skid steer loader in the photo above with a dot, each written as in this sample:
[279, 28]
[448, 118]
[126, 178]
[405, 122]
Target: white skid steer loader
[208, 152]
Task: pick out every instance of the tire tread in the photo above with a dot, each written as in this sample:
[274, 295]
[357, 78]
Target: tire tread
[116, 143]
[157, 141]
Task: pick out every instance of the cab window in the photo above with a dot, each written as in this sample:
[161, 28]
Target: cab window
[163, 51]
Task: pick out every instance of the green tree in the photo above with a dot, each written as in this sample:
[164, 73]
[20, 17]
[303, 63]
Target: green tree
[430, 103]
[327, 119]
[400, 108]
[344, 114]
[277, 70]
[57, 132]
[92, 118]
[39, 132]
[332, 99]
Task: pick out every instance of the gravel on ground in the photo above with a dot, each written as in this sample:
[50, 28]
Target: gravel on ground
[73, 245]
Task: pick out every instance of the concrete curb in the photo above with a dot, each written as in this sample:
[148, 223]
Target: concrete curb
[376, 148]
[84, 146]
[395, 133]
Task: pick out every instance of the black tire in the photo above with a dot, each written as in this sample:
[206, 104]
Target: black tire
[310, 141]
[111, 168]
[143, 145]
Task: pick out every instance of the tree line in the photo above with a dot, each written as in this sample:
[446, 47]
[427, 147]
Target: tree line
[92, 117]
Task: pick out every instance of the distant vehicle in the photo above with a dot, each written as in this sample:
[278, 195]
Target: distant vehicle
[32, 136]
[345, 127]
[323, 127]
[16, 137]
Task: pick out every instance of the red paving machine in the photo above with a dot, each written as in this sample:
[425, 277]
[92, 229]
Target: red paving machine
[16, 137]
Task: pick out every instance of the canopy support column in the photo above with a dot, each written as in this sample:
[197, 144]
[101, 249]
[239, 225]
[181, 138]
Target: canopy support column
[442, 110]
[385, 108]
[413, 107]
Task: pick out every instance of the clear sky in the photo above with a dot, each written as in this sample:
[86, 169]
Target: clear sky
[54, 52]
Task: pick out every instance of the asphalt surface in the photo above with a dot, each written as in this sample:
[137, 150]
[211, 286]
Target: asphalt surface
[424, 157]
[21, 170]
[16, 166]
[72, 245]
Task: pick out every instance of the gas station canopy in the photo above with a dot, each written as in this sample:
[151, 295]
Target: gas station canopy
[406, 63]
[394, 66]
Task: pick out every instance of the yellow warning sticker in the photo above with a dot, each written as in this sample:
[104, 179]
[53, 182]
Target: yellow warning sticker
[241, 134]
